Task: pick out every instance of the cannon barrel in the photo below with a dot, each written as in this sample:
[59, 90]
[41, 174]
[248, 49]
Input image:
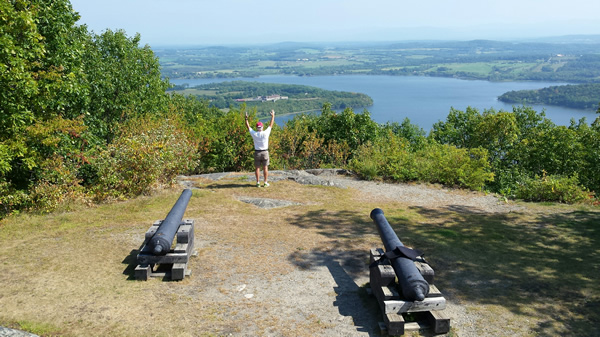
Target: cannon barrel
[160, 243]
[414, 287]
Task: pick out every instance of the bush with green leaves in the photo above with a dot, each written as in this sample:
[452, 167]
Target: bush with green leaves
[226, 144]
[451, 166]
[47, 172]
[388, 157]
[553, 188]
[146, 154]
[353, 129]
[12, 200]
[297, 145]
[523, 144]
[415, 135]
[391, 158]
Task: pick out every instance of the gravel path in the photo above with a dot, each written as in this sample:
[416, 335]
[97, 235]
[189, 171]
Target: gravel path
[420, 195]
[411, 194]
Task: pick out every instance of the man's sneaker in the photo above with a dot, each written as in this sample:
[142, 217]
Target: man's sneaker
[266, 184]
[257, 184]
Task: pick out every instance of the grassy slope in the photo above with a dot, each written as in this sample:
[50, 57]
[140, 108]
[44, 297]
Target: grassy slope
[71, 273]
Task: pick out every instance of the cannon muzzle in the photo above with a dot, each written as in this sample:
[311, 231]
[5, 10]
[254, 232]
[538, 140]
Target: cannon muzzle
[414, 287]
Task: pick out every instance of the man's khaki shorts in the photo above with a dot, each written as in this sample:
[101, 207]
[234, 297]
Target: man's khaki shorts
[261, 158]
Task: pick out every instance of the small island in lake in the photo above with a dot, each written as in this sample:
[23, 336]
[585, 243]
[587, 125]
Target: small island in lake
[580, 96]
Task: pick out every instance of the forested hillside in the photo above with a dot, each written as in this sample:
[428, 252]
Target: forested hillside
[86, 118]
[264, 97]
[581, 96]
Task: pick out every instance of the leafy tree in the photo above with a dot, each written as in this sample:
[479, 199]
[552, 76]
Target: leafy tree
[60, 89]
[19, 58]
[229, 144]
[40, 84]
[345, 127]
[588, 154]
[61, 82]
[413, 133]
[523, 146]
[458, 129]
[124, 82]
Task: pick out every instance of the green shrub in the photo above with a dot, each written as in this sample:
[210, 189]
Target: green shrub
[345, 127]
[42, 170]
[298, 145]
[367, 162]
[553, 188]
[146, 155]
[507, 181]
[11, 199]
[227, 145]
[57, 184]
[384, 158]
[451, 166]
[390, 157]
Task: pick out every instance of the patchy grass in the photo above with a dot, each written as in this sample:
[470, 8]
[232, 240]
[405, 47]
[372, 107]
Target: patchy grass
[71, 273]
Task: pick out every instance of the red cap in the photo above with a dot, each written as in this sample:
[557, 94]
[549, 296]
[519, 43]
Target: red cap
[259, 125]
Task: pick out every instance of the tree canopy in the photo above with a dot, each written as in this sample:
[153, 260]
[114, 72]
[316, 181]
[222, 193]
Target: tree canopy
[63, 93]
[581, 96]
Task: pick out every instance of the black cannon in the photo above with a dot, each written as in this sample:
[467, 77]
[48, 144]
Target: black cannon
[414, 287]
[161, 241]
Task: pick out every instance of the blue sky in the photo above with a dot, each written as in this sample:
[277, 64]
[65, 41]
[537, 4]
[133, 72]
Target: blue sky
[224, 22]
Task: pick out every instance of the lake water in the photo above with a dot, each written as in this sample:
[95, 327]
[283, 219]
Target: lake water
[424, 100]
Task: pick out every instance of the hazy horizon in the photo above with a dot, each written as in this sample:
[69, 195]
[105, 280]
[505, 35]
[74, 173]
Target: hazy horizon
[237, 22]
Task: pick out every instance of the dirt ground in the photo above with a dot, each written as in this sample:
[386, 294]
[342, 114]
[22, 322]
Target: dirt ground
[287, 260]
[330, 284]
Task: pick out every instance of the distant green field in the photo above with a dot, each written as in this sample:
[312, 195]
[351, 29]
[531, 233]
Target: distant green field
[483, 68]
[196, 92]
[485, 60]
[327, 63]
[264, 64]
[478, 68]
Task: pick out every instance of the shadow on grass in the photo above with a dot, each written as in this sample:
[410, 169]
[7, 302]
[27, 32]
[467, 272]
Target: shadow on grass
[543, 266]
[131, 262]
[336, 224]
[345, 263]
[164, 271]
[351, 299]
[231, 185]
